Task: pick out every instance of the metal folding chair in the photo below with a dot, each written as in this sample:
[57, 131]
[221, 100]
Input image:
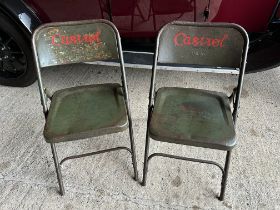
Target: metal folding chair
[196, 117]
[83, 111]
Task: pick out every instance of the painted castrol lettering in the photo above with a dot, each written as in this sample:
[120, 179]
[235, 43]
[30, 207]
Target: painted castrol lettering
[58, 40]
[181, 39]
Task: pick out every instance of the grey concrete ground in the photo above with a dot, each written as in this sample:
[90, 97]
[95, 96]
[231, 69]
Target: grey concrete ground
[28, 179]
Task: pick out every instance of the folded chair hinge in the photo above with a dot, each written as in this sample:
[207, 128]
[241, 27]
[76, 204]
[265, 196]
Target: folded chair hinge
[151, 108]
[48, 93]
[232, 96]
[46, 114]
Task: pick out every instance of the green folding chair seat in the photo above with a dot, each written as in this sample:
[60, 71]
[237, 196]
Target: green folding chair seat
[83, 111]
[193, 117]
[86, 111]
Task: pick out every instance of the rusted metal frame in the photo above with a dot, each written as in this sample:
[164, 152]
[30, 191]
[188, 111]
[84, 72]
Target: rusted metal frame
[44, 98]
[43, 95]
[241, 74]
[127, 103]
[147, 146]
[187, 159]
[58, 165]
[153, 78]
[150, 109]
[235, 98]
[236, 103]
[93, 153]
[58, 169]
[225, 176]
[224, 169]
[133, 150]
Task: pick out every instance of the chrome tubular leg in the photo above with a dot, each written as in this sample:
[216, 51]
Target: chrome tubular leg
[58, 169]
[225, 175]
[145, 170]
[133, 152]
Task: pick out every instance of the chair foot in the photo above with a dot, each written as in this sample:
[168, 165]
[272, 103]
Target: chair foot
[223, 189]
[221, 198]
[61, 187]
[145, 171]
[62, 192]
[136, 178]
[143, 183]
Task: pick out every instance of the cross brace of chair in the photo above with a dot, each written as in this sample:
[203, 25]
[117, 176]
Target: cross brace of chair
[224, 170]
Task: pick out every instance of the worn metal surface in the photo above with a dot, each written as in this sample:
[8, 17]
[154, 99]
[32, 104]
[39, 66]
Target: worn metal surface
[205, 45]
[211, 127]
[193, 117]
[87, 111]
[76, 42]
[82, 111]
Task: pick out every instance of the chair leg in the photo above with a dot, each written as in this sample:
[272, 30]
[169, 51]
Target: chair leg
[145, 169]
[58, 169]
[133, 151]
[225, 175]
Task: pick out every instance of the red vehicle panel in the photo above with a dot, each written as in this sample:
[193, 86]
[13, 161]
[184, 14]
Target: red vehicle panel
[143, 18]
[138, 22]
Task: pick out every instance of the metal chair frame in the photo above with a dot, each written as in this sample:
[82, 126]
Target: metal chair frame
[45, 96]
[235, 98]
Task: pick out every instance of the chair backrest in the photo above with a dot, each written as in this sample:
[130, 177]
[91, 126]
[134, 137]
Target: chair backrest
[75, 42]
[211, 45]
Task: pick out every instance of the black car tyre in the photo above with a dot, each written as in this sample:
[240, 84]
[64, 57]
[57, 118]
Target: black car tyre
[16, 58]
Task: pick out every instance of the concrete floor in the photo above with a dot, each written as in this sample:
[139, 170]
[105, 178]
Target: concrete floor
[28, 179]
